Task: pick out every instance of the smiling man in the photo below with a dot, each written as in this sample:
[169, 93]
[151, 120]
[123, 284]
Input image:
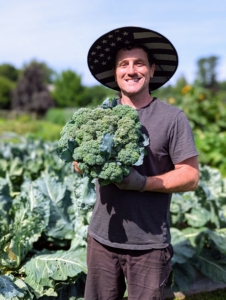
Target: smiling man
[129, 233]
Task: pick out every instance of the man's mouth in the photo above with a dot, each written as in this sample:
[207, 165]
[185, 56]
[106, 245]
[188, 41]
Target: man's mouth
[133, 80]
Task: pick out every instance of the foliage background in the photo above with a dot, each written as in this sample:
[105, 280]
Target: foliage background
[35, 102]
[36, 94]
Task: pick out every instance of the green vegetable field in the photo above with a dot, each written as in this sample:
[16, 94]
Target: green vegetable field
[43, 229]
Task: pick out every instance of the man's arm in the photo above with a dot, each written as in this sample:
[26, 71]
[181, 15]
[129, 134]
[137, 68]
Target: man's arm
[183, 178]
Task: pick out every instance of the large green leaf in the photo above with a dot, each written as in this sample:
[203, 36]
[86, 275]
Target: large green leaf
[5, 205]
[37, 201]
[12, 288]
[200, 237]
[183, 276]
[24, 229]
[185, 201]
[47, 269]
[211, 267]
[183, 249]
[192, 234]
[181, 203]
[85, 193]
[198, 217]
[211, 178]
[218, 236]
[59, 225]
[70, 291]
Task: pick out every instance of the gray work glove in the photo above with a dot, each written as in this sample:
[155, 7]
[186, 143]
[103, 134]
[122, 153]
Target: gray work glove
[134, 181]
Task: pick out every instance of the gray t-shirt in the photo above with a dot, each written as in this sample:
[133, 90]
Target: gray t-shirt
[140, 220]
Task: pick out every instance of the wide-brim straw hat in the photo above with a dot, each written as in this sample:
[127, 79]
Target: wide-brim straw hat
[102, 51]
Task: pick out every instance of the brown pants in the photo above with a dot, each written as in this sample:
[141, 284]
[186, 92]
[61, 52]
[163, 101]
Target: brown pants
[146, 272]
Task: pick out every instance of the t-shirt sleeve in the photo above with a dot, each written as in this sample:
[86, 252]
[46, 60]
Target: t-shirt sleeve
[182, 145]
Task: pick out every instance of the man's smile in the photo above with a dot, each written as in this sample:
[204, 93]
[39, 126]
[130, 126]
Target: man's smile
[132, 79]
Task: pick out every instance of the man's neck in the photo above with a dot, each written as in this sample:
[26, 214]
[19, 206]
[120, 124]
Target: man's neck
[136, 101]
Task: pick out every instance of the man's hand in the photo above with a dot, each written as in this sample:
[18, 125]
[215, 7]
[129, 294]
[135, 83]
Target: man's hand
[134, 181]
[75, 164]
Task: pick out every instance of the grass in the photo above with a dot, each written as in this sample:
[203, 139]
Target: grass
[215, 295]
[39, 129]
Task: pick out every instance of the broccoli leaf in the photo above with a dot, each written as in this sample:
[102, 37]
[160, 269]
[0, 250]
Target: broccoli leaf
[141, 158]
[146, 140]
[109, 103]
[106, 144]
[85, 193]
[72, 144]
[66, 156]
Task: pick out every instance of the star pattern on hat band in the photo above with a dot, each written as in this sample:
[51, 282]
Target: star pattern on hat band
[100, 52]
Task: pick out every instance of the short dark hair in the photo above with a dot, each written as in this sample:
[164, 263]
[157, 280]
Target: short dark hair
[131, 46]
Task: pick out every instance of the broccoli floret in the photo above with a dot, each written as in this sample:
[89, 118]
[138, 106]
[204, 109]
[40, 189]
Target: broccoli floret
[111, 172]
[127, 132]
[99, 113]
[89, 153]
[81, 116]
[125, 111]
[128, 156]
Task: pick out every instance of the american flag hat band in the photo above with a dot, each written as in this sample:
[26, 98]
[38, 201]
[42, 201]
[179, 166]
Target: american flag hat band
[102, 51]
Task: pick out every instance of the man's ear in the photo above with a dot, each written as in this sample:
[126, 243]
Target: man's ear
[152, 70]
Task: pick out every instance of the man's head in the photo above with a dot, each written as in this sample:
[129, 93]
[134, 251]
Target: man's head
[133, 69]
[102, 54]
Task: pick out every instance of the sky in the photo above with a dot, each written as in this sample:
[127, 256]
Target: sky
[60, 32]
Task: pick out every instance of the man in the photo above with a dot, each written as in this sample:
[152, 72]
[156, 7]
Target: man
[129, 234]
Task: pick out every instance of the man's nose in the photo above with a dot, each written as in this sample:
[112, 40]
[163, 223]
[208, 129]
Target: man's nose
[131, 69]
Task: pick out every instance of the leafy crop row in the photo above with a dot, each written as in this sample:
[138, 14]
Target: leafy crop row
[43, 230]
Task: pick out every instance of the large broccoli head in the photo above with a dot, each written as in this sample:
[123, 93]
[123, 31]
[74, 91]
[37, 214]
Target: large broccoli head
[105, 142]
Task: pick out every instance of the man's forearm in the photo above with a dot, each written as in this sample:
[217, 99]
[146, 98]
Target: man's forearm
[183, 178]
[178, 180]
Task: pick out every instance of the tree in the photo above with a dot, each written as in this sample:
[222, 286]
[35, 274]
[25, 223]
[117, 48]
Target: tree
[222, 85]
[48, 73]
[31, 93]
[6, 87]
[68, 90]
[96, 94]
[207, 74]
[9, 71]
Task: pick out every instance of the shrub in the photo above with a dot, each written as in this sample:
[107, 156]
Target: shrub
[59, 115]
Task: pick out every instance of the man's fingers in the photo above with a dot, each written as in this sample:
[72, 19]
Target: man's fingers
[75, 164]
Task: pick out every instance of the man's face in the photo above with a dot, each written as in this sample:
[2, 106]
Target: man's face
[133, 72]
